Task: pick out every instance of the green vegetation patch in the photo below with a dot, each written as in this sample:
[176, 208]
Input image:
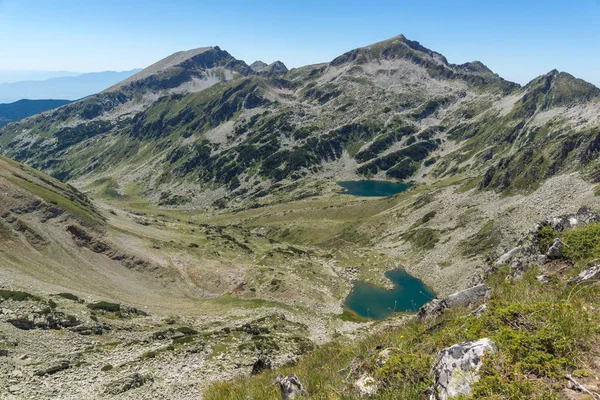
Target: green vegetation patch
[422, 238]
[18, 295]
[543, 333]
[105, 306]
[482, 242]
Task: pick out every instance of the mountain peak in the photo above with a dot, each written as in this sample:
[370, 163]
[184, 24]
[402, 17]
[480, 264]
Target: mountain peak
[258, 66]
[182, 66]
[275, 68]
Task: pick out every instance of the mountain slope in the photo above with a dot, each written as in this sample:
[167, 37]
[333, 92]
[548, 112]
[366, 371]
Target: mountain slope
[202, 130]
[25, 108]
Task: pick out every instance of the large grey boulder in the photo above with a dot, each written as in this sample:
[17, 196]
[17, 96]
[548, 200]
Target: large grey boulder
[457, 368]
[465, 298]
[555, 251]
[290, 386]
[589, 274]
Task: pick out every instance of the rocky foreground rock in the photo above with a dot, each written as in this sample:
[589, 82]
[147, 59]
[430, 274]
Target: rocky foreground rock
[464, 298]
[456, 368]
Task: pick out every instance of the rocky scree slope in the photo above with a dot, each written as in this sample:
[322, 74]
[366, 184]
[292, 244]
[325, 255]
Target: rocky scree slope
[201, 128]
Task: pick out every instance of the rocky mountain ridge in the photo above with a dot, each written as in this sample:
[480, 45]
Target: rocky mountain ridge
[202, 128]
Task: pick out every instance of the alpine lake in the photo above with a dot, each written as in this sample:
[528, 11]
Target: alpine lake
[409, 293]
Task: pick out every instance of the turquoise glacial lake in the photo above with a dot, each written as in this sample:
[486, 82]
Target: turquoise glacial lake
[408, 295]
[373, 188]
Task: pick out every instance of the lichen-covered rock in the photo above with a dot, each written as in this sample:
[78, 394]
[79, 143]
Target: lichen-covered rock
[127, 383]
[555, 251]
[432, 309]
[290, 386]
[589, 274]
[456, 368]
[366, 385]
[464, 298]
[467, 297]
[565, 222]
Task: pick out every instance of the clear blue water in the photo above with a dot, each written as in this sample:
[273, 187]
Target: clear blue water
[369, 301]
[373, 188]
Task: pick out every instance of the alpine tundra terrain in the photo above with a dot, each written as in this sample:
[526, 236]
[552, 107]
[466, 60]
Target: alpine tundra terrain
[190, 227]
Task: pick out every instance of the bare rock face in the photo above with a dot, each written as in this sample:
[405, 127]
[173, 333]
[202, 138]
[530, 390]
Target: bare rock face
[464, 298]
[565, 222]
[587, 275]
[290, 386]
[527, 251]
[555, 251]
[456, 368]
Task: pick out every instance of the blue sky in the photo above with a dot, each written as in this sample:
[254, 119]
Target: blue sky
[517, 39]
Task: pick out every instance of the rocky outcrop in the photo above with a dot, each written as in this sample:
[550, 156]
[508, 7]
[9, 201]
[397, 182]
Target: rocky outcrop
[290, 387]
[555, 251]
[42, 320]
[456, 368]
[127, 383]
[569, 221]
[465, 298]
[84, 239]
[528, 252]
[587, 275]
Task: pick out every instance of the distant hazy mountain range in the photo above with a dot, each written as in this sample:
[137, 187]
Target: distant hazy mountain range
[26, 108]
[65, 87]
[11, 76]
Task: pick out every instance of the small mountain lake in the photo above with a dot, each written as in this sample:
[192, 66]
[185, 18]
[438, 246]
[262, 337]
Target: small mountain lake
[373, 188]
[369, 301]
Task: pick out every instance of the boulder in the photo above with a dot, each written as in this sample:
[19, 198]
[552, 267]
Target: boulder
[290, 386]
[555, 251]
[465, 298]
[479, 311]
[260, 365]
[54, 368]
[366, 385]
[456, 368]
[543, 279]
[127, 383]
[589, 274]
[432, 309]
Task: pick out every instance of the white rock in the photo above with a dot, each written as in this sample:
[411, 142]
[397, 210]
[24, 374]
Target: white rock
[366, 385]
[456, 368]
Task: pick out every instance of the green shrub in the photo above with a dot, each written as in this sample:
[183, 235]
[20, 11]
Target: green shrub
[183, 340]
[107, 367]
[186, 330]
[105, 306]
[68, 296]
[17, 295]
[545, 237]
[583, 243]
